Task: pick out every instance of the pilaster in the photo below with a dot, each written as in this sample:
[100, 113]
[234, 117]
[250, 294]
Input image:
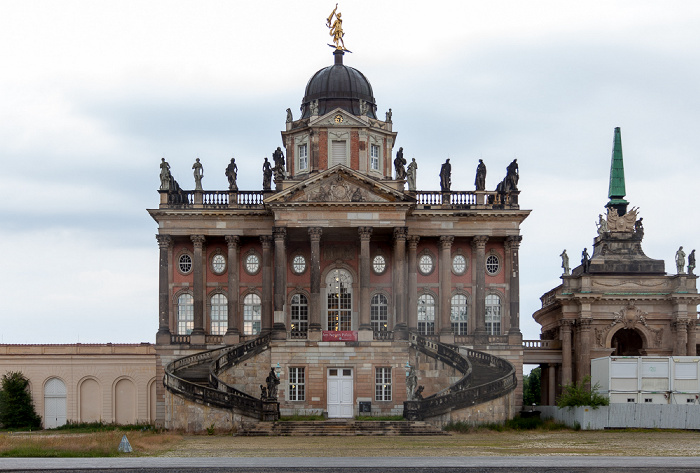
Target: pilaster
[565, 326]
[513, 266]
[365, 325]
[266, 314]
[197, 337]
[279, 327]
[412, 283]
[445, 276]
[165, 243]
[479, 249]
[400, 276]
[232, 335]
[315, 272]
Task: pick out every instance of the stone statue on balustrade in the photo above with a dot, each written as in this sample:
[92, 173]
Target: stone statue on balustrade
[411, 174]
[565, 262]
[232, 174]
[512, 176]
[446, 176]
[680, 260]
[480, 180]
[279, 169]
[388, 116]
[198, 175]
[272, 382]
[400, 165]
[165, 175]
[585, 261]
[267, 175]
[691, 262]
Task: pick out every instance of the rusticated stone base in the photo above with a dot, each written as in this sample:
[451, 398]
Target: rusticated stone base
[495, 411]
[193, 417]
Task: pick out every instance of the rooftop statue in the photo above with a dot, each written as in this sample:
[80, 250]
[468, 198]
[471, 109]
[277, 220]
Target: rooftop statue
[565, 262]
[399, 165]
[164, 175]
[680, 260]
[336, 29]
[363, 107]
[602, 225]
[314, 107]
[512, 176]
[411, 174]
[232, 174]
[691, 262]
[446, 176]
[198, 175]
[279, 169]
[267, 175]
[585, 260]
[480, 181]
[290, 118]
[639, 228]
[388, 116]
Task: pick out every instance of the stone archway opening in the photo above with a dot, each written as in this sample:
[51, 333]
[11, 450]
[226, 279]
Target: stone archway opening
[627, 342]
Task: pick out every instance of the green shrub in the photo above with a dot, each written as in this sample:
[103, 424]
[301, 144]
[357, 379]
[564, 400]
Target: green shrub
[577, 394]
[16, 406]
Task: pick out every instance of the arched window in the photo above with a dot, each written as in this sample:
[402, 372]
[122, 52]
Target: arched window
[185, 314]
[458, 314]
[300, 313]
[426, 315]
[219, 314]
[379, 313]
[493, 314]
[339, 286]
[251, 314]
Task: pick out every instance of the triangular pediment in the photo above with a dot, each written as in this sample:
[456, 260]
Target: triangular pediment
[339, 118]
[339, 184]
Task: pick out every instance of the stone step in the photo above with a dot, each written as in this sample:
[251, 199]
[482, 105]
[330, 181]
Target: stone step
[342, 428]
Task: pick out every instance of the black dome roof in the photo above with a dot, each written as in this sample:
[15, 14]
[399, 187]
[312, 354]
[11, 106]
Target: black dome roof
[338, 86]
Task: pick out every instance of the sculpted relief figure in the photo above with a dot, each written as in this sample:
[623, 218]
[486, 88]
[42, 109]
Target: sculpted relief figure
[411, 174]
[164, 175]
[480, 180]
[399, 165]
[232, 174]
[314, 107]
[267, 175]
[198, 175]
[680, 260]
[624, 223]
[446, 176]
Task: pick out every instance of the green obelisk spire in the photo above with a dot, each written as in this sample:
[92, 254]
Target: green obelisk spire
[616, 190]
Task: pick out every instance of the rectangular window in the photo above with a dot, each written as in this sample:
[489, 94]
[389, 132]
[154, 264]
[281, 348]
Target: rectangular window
[303, 157]
[374, 157]
[382, 384]
[297, 384]
[337, 153]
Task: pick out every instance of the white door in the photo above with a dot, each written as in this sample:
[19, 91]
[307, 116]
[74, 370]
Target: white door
[54, 403]
[340, 399]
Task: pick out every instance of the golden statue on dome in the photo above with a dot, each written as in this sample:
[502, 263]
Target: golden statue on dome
[336, 29]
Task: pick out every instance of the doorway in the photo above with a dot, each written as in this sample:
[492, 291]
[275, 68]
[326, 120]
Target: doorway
[339, 393]
[627, 342]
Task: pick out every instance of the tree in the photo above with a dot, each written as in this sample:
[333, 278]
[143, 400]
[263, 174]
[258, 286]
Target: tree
[577, 394]
[16, 406]
[531, 387]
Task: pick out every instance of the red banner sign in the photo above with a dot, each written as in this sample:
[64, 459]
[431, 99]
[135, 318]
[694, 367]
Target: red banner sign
[339, 335]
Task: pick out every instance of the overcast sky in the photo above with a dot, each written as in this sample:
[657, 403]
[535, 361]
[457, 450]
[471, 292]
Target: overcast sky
[93, 94]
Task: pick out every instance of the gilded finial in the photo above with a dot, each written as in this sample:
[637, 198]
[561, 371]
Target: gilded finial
[336, 29]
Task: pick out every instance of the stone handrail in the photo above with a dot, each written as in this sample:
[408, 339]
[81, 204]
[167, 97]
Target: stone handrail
[383, 335]
[218, 393]
[546, 344]
[458, 199]
[460, 394]
[217, 199]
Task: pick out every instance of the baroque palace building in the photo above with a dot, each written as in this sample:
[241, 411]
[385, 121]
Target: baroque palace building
[352, 287]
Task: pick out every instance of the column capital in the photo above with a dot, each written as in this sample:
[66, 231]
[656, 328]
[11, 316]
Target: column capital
[198, 240]
[315, 233]
[279, 233]
[266, 241]
[232, 241]
[566, 324]
[400, 233]
[365, 232]
[479, 241]
[164, 241]
[513, 241]
[413, 242]
[446, 241]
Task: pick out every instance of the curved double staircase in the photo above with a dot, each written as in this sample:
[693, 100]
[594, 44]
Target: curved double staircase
[484, 378]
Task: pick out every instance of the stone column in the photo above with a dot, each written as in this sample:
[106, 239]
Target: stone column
[551, 385]
[198, 334]
[266, 241]
[365, 326]
[279, 327]
[565, 337]
[165, 242]
[512, 250]
[400, 326]
[445, 275]
[583, 350]
[680, 348]
[315, 272]
[232, 335]
[479, 249]
[692, 337]
[412, 284]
